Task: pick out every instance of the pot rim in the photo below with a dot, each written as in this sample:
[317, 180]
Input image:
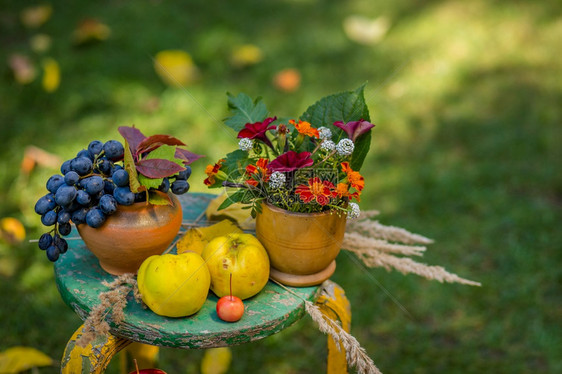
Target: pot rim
[298, 214]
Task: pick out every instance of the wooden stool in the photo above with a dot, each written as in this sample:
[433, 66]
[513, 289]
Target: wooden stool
[79, 280]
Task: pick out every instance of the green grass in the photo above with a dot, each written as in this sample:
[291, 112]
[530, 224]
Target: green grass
[466, 97]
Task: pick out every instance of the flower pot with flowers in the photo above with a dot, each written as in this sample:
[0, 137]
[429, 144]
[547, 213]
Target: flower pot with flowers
[120, 197]
[299, 177]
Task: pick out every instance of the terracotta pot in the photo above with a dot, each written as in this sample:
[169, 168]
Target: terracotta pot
[133, 234]
[302, 247]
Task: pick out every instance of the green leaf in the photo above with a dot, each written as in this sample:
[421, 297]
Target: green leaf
[159, 198]
[235, 164]
[150, 182]
[129, 165]
[240, 196]
[243, 110]
[345, 107]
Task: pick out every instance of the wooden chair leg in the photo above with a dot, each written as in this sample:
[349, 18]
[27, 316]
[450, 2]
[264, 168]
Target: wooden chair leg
[334, 304]
[92, 359]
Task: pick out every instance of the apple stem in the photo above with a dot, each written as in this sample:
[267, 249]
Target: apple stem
[136, 365]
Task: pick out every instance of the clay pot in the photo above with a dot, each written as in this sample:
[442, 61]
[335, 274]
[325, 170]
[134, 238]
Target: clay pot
[302, 247]
[133, 234]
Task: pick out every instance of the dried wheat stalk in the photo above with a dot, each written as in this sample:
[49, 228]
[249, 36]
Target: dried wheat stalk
[376, 245]
[113, 301]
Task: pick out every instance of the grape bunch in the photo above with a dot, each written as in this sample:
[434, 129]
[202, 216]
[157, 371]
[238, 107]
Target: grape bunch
[91, 188]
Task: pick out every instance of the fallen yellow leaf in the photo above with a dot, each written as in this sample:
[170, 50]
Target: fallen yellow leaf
[51, 75]
[246, 55]
[91, 30]
[12, 230]
[17, 359]
[175, 67]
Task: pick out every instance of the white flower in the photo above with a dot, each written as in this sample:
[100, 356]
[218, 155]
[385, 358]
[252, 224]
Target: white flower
[277, 180]
[353, 211]
[245, 144]
[345, 147]
[325, 133]
[328, 145]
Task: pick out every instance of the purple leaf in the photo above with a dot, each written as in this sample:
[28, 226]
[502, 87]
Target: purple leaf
[186, 156]
[152, 142]
[158, 168]
[133, 136]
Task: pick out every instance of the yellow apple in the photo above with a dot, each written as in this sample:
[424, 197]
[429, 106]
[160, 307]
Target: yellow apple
[241, 255]
[174, 285]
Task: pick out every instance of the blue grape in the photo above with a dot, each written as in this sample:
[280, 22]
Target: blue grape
[140, 197]
[65, 167]
[165, 186]
[108, 204]
[93, 185]
[65, 195]
[63, 216]
[95, 217]
[45, 203]
[54, 183]
[64, 228]
[185, 174]
[108, 187]
[95, 147]
[81, 165]
[180, 187]
[120, 178]
[53, 253]
[124, 196]
[79, 216]
[83, 198]
[71, 178]
[49, 218]
[105, 166]
[85, 153]
[45, 241]
[60, 243]
[113, 150]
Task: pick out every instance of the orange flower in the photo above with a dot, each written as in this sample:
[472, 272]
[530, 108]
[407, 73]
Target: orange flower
[305, 128]
[355, 179]
[321, 191]
[259, 171]
[211, 171]
[342, 190]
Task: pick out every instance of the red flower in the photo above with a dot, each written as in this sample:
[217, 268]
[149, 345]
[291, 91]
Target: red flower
[258, 172]
[257, 130]
[354, 129]
[316, 190]
[290, 161]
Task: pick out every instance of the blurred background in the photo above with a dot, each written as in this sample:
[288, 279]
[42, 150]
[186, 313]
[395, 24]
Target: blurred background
[467, 102]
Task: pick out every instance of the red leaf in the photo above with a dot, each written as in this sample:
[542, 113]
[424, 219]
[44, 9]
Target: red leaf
[133, 136]
[155, 141]
[186, 156]
[158, 168]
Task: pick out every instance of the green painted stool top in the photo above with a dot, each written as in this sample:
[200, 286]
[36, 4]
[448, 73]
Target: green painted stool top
[79, 276]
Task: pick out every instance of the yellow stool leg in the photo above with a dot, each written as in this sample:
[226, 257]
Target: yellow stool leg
[334, 304]
[94, 358]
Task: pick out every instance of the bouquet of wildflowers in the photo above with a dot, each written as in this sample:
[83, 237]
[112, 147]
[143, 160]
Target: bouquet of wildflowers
[305, 165]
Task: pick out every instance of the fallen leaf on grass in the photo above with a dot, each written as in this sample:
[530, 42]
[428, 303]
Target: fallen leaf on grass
[91, 30]
[175, 67]
[17, 359]
[23, 69]
[12, 230]
[35, 16]
[216, 360]
[40, 43]
[365, 30]
[51, 75]
[246, 55]
[288, 80]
